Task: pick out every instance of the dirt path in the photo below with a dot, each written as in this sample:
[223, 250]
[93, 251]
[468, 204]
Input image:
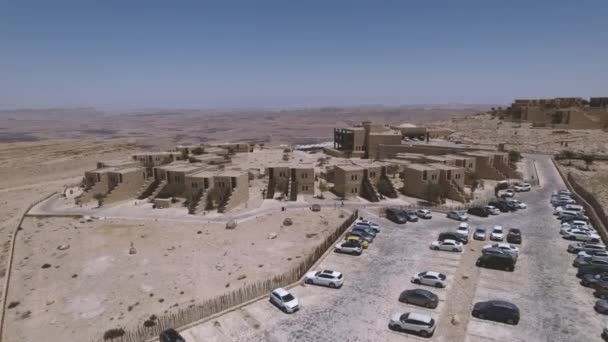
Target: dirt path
[459, 299]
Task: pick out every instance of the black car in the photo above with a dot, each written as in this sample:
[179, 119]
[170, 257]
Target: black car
[591, 269]
[594, 280]
[453, 236]
[501, 205]
[396, 215]
[170, 335]
[514, 236]
[512, 206]
[479, 211]
[411, 216]
[419, 297]
[601, 306]
[497, 310]
[497, 261]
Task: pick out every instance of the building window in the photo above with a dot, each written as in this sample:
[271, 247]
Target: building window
[433, 177]
[424, 175]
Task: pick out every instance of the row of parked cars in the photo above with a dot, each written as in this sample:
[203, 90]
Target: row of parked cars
[591, 253]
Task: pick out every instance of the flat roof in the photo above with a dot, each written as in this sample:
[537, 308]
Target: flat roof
[420, 167]
[103, 169]
[410, 155]
[445, 167]
[349, 167]
[456, 156]
[128, 169]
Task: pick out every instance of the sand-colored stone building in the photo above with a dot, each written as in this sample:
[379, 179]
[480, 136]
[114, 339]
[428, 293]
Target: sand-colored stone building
[290, 180]
[362, 141]
[417, 177]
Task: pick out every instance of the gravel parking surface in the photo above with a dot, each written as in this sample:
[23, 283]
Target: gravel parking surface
[554, 307]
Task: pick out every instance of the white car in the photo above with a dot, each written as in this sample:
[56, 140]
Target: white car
[284, 300]
[418, 323]
[508, 193]
[349, 247]
[580, 235]
[430, 278]
[594, 255]
[463, 229]
[522, 187]
[575, 208]
[492, 210]
[360, 222]
[576, 224]
[565, 229]
[519, 204]
[558, 210]
[479, 234]
[507, 247]
[327, 278]
[497, 234]
[457, 215]
[424, 214]
[447, 245]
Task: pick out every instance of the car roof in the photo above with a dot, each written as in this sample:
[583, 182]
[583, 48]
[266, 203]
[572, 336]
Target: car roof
[503, 303]
[419, 317]
[330, 272]
[280, 291]
[449, 240]
[432, 273]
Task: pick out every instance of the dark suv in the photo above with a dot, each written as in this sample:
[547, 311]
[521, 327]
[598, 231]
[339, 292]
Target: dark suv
[479, 211]
[453, 236]
[514, 236]
[396, 215]
[497, 261]
[170, 335]
[497, 310]
[501, 205]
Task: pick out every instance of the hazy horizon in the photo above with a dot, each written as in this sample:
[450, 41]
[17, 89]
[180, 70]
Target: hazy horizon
[132, 55]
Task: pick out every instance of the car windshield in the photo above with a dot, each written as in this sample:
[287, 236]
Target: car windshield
[287, 298]
[442, 276]
[480, 230]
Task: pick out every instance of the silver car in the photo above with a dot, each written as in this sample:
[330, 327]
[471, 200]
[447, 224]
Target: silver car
[479, 234]
[417, 323]
[457, 215]
[327, 278]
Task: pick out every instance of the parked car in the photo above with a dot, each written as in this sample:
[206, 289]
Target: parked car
[447, 245]
[349, 247]
[501, 205]
[576, 224]
[327, 278]
[478, 211]
[413, 322]
[411, 216]
[453, 236]
[497, 310]
[508, 193]
[568, 219]
[367, 224]
[507, 248]
[368, 231]
[519, 204]
[424, 214]
[497, 234]
[463, 229]
[601, 306]
[492, 210]
[585, 246]
[457, 215]
[501, 262]
[362, 235]
[522, 187]
[584, 261]
[396, 215]
[591, 269]
[566, 215]
[563, 192]
[512, 206]
[579, 235]
[514, 236]
[561, 201]
[575, 208]
[596, 255]
[359, 240]
[430, 278]
[479, 234]
[565, 229]
[284, 300]
[419, 297]
[601, 291]
[591, 280]
[170, 335]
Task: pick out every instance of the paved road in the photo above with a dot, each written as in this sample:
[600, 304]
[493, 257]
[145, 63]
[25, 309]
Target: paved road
[554, 307]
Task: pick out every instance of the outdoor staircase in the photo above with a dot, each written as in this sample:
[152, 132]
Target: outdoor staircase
[271, 189]
[147, 188]
[456, 193]
[293, 191]
[120, 192]
[221, 208]
[508, 171]
[391, 192]
[368, 191]
[194, 202]
[158, 189]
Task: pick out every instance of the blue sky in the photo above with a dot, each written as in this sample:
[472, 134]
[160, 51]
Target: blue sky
[256, 53]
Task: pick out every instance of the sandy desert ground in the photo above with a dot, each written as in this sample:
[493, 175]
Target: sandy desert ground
[485, 129]
[592, 177]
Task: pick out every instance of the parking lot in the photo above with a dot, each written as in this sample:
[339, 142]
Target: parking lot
[554, 307]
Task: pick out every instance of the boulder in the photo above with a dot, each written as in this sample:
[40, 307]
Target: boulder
[287, 221]
[272, 236]
[231, 224]
[63, 247]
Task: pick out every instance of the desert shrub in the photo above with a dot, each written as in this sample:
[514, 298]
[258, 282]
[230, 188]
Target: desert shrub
[12, 305]
[113, 333]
